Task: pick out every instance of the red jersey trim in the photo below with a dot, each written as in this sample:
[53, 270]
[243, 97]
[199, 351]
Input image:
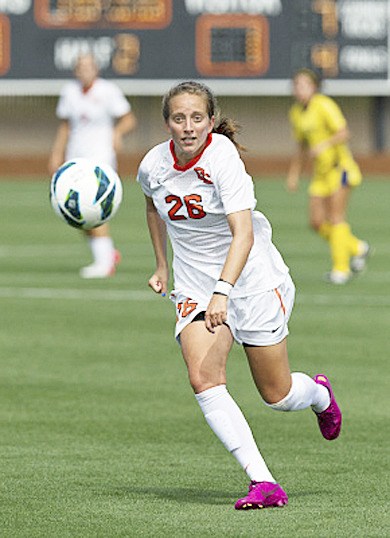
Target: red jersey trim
[193, 161]
[86, 89]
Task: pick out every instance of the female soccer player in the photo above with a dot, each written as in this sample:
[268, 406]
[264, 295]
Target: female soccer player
[95, 116]
[230, 281]
[322, 134]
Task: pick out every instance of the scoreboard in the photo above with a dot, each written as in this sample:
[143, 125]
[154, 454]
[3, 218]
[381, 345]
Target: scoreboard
[240, 47]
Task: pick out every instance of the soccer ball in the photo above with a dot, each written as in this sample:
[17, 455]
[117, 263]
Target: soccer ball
[85, 194]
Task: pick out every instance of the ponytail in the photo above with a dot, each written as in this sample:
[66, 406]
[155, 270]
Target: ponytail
[229, 128]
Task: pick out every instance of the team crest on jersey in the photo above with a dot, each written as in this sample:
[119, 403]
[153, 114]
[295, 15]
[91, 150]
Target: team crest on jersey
[203, 176]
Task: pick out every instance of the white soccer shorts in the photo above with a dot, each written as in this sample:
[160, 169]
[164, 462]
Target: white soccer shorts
[256, 320]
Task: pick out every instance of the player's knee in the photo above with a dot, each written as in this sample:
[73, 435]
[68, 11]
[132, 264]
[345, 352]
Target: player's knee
[197, 383]
[200, 382]
[300, 395]
[275, 391]
[273, 396]
[315, 224]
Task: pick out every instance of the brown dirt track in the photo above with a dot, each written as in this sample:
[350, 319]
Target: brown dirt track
[36, 166]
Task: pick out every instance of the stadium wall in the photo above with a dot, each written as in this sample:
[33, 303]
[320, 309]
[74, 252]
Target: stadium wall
[28, 126]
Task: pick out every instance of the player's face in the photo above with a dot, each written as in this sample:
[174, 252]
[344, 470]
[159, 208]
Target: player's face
[86, 70]
[304, 88]
[189, 125]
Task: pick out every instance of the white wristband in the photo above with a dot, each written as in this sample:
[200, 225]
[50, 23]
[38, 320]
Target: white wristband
[223, 288]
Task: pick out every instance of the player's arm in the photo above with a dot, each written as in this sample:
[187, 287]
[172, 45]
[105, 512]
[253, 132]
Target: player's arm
[336, 124]
[241, 226]
[57, 155]
[341, 136]
[123, 126]
[295, 168]
[158, 234]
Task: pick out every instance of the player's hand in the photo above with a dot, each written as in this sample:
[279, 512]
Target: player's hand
[159, 282]
[216, 313]
[315, 151]
[292, 184]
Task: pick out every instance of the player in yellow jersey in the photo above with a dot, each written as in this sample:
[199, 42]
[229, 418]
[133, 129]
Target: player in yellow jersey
[322, 133]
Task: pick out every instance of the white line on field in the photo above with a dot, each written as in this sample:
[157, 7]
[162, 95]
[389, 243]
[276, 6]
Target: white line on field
[343, 300]
[75, 294]
[146, 295]
[75, 249]
[63, 249]
[20, 251]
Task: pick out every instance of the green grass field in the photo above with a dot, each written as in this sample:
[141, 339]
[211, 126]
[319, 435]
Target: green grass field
[100, 433]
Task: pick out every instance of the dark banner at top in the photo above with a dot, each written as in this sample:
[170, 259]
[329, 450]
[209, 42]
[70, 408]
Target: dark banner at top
[243, 46]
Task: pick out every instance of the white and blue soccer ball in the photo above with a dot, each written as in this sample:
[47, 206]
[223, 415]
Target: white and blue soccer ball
[85, 194]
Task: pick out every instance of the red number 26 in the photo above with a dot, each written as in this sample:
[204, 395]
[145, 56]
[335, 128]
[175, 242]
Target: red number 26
[191, 202]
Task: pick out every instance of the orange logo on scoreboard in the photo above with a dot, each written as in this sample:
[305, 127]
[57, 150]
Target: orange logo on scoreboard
[232, 45]
[129, 14]
[5, 44]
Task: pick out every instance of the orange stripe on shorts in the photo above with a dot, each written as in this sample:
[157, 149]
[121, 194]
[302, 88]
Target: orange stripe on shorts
[280, 299]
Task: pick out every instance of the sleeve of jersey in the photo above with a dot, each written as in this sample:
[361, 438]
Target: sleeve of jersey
[63, 111]
[143, 178]
[333, 115]
[234, 185]
[119, 105]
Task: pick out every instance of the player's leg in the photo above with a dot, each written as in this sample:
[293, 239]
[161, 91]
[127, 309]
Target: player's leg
[339, 236]
[343, 243]
[283, 391]
[263, 334]
[205, 355]
[347, 251]
[105, 257]
[328, 200]
[277, 386]
[318, 216]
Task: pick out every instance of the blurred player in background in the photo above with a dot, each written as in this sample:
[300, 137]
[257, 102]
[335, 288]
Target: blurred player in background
[230, 281]
[322, 134]
[94, 117]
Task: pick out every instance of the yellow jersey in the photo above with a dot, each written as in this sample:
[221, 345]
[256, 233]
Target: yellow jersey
[319, 121]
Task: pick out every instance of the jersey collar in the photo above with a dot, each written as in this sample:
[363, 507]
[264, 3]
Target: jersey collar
[193, 161]
[86, 89]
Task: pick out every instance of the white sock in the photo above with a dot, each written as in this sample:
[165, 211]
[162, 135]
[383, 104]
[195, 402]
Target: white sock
[229, 424]
[304, 392]
[102, 250]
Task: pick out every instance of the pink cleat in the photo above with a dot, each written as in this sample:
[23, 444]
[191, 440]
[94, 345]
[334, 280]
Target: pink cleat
[262, 495]
[329, 420]
[116, 261]
[98, 270]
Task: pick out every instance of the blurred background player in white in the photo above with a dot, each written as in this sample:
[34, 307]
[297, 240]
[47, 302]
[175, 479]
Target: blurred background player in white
[230, 281]
[94, 117]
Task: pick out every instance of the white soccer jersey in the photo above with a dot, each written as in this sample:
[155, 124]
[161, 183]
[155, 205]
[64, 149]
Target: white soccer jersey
[91, 117]
[194, 200]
